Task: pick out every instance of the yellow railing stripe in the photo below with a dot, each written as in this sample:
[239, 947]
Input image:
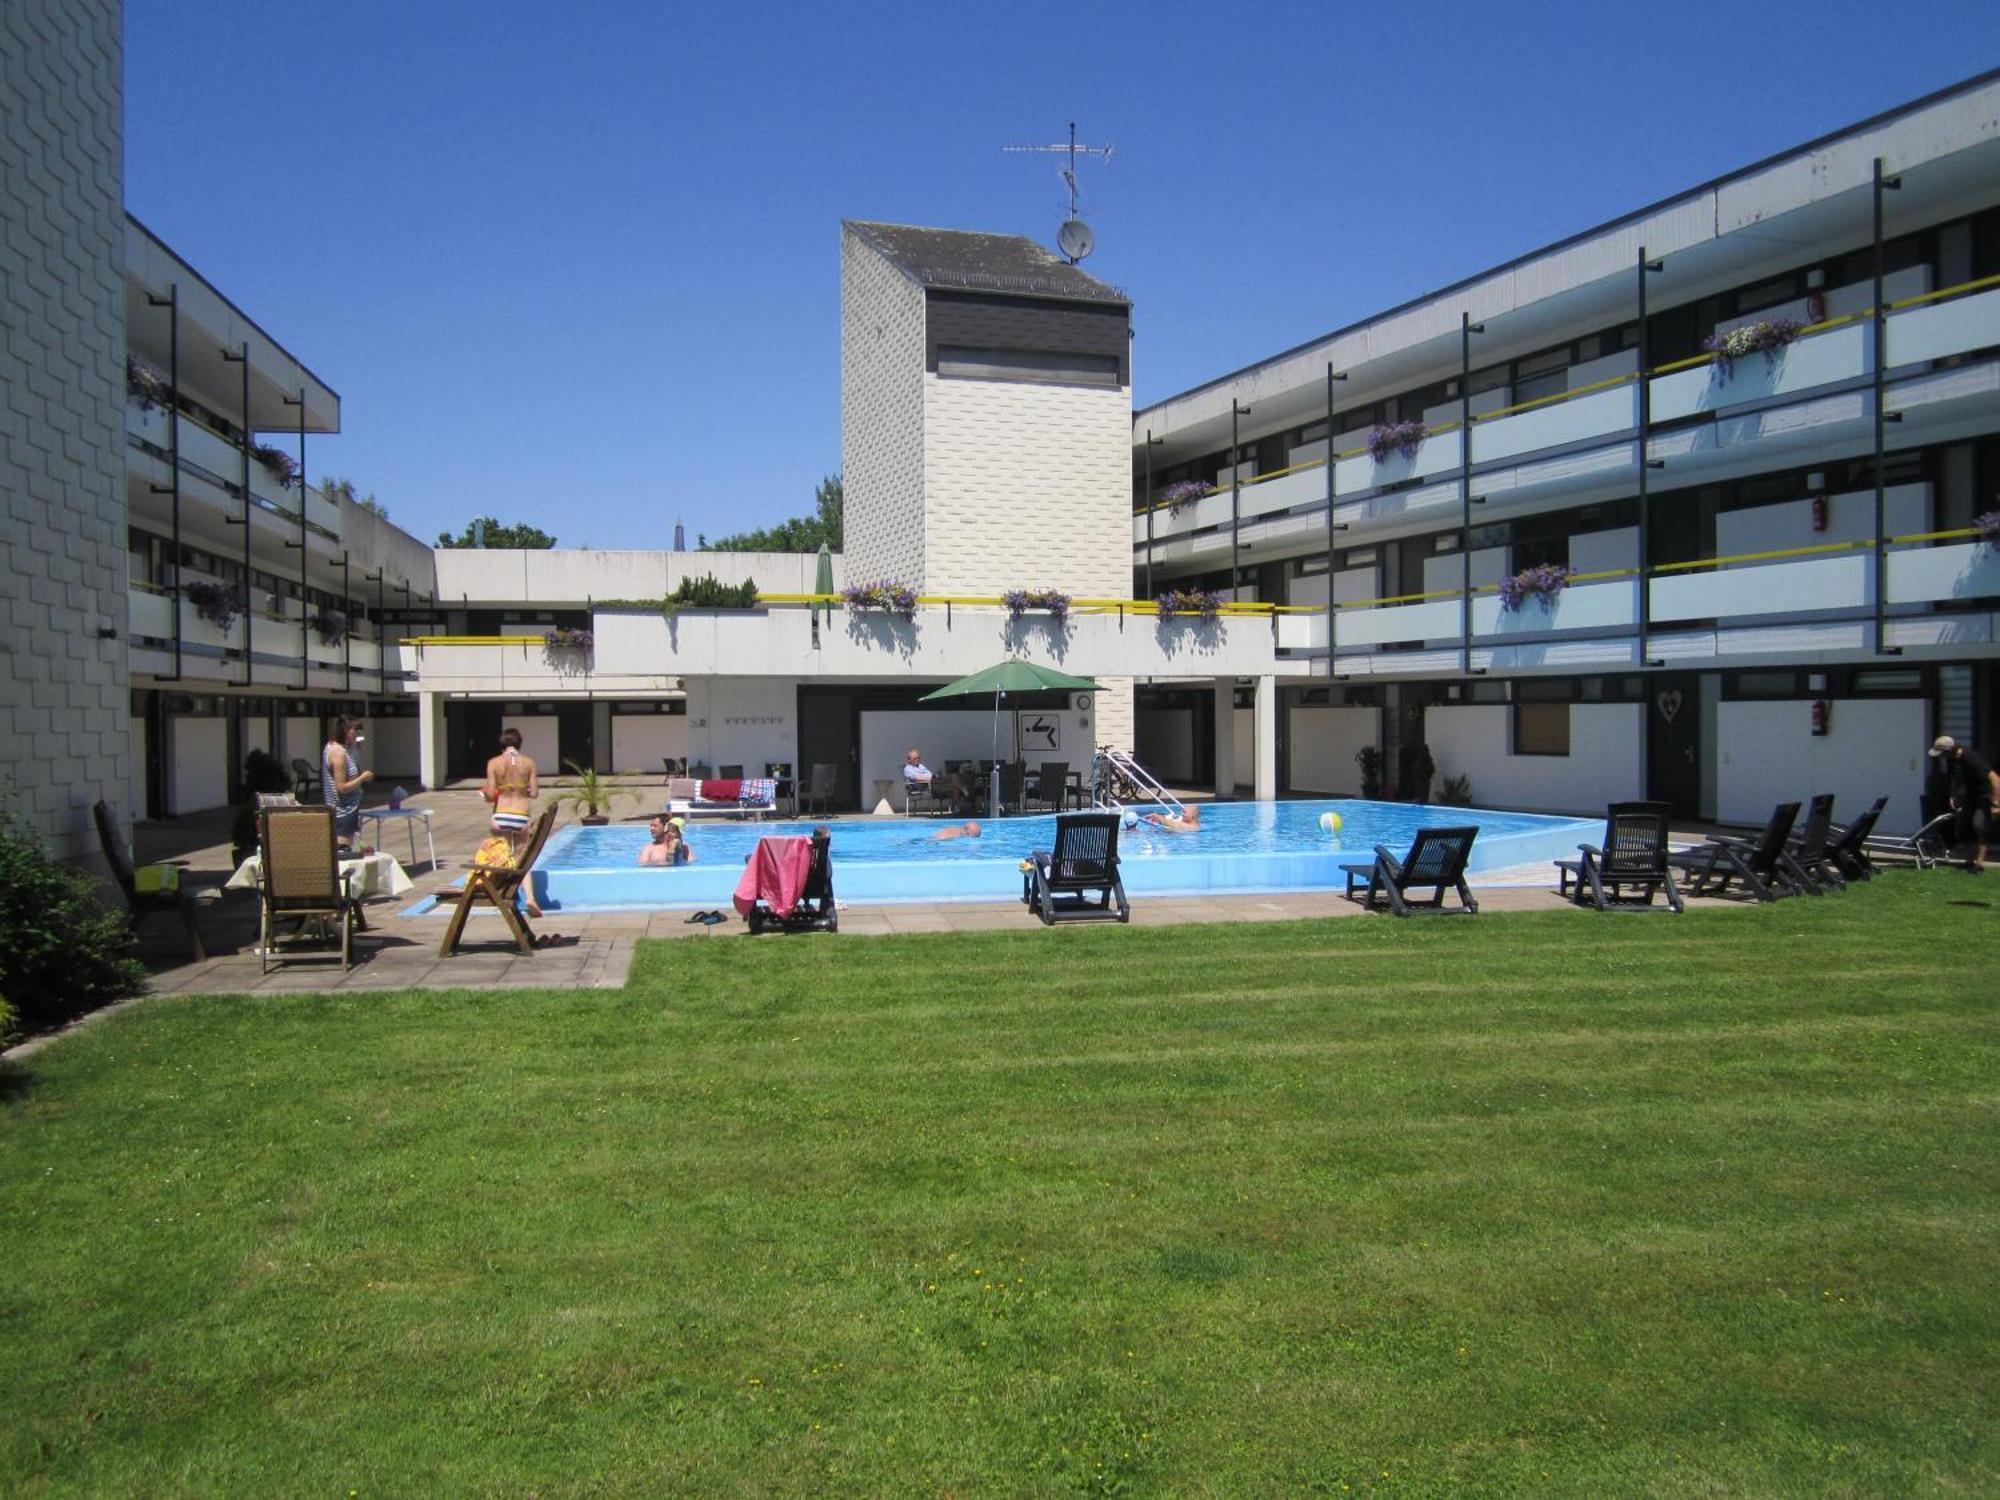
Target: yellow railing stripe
[1948, 291]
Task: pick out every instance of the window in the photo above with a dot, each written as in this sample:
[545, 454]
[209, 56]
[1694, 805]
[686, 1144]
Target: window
[1541, 729]
[1047, 366]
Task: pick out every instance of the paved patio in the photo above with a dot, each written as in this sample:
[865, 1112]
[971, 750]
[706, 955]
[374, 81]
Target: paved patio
[401, 952]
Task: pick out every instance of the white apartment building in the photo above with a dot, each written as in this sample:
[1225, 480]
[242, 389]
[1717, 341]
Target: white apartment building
[1777, 582]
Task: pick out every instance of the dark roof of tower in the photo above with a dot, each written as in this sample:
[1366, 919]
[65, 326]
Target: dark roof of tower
[967, 261]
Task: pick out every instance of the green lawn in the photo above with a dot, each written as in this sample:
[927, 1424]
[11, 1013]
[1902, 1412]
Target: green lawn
[1549, 1204]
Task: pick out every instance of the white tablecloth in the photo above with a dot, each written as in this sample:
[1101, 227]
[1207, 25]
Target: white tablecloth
[374, 875]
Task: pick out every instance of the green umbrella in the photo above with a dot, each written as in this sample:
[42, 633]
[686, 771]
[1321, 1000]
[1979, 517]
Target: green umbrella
[1011, 676]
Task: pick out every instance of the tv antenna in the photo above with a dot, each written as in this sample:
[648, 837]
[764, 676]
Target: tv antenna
[1073, 238]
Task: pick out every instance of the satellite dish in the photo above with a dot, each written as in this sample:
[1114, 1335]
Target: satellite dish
[1075, 240]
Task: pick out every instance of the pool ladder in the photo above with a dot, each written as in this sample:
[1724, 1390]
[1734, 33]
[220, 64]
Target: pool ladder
[1113, 772]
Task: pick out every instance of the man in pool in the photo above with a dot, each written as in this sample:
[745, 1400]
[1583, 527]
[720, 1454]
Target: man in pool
[669, 844]
[1189, 820]
[956, 831]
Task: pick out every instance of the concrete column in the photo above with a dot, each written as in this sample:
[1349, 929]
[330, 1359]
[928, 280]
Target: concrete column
[1225, 738]
[430, 738]
[1265, 720]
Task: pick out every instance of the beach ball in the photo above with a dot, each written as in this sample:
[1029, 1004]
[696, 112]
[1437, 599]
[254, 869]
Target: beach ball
[1330, 821]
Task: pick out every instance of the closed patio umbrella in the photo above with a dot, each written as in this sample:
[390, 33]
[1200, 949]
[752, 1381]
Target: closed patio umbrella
[1011, 676]
[823, 579]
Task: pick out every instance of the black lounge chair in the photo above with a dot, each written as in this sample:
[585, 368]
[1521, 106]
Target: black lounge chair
[1631, 864]
[1437, 859]
[1848, 848]
[167, 894]
[815, 910]
[1757, 864]
[305, 779]
[1058, 884]
[1806, 857]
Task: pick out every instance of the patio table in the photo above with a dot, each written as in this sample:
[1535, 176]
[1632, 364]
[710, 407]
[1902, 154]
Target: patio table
[375, 874]
[410, 817]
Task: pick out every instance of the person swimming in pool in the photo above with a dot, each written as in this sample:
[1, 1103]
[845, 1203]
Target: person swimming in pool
[669, 844]
[969, 830]
[1188, 821]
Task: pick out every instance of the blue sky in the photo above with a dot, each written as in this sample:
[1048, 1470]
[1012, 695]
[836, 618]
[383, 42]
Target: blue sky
[578, 264]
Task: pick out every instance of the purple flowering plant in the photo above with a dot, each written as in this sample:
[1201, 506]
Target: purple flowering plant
[888, 596]
[1175, 603]
[568, 638]
[1544, 581]
[1767, 338]
[1989, 528]
[1182, 493]
[1396, 437]
[1020, 601]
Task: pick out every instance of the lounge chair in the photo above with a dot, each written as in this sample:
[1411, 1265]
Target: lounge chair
[1757, 864]
[1437, 859]
[1848, 848]
[920, 798]
[305, 779]
[1623, 873]
[158, 889]
[499, 885]
[808, 906]
[302, 879]
[1058, 884]
[1052, 785]
[1806, 858]
[717, 797]
[1927, 848]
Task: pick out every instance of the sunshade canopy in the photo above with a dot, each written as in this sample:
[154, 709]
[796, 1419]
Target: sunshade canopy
[1012, 676]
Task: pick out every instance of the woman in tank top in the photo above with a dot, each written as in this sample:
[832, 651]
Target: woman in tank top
[341, 781]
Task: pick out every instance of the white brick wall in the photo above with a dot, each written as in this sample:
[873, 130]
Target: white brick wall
[1027, 485]
[63, 690]
[882, 417]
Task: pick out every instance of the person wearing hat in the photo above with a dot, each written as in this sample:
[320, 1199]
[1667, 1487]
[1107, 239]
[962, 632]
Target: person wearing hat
[1975, 795]
[669, 844]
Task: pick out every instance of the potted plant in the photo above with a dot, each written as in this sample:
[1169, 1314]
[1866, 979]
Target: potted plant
[279, 464]
[1768, 338]
[1988, 524]
[1182, 493]
[217, 603]
[1177, 602]
[330, 625]
[1544, 581]
[1396, 437]
[709, 592]
[889, 597]
[1020, 601]
[593, 795]
[144, 385]
[1369, 759]
[1457, 792]
[568, 638]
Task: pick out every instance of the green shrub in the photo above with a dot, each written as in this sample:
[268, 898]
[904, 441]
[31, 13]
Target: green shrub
[709, 592]
[6, 1021]
[61, 951]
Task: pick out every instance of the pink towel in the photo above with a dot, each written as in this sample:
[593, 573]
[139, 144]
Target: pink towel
[776, 871]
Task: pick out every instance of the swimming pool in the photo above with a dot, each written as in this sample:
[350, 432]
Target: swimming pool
[1243, 847]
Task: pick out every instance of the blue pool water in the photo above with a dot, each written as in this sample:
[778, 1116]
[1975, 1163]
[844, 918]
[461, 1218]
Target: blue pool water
[1242, 847]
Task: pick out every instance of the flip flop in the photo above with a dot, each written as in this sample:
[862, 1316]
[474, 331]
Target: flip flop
[696, 916]
[711, 918]
[553, 940]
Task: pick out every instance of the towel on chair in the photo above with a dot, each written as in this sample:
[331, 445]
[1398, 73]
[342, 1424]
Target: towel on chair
[757, 790]
[777, 872]
[718, 791]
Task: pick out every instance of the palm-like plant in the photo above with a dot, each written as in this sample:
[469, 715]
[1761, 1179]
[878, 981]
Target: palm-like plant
[594, 794]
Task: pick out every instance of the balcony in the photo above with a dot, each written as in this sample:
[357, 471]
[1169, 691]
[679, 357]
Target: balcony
[1814, 391]
[212, 469]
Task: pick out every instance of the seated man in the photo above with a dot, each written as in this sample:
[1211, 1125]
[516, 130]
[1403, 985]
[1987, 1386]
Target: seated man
[669, 845]
[915, 772]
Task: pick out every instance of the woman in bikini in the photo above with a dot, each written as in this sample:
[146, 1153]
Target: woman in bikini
[512, 785]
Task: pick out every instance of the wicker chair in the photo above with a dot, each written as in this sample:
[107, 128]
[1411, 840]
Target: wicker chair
[302, 879]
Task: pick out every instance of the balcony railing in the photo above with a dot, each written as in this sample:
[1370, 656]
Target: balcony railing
[211, 454]
[1838, 351]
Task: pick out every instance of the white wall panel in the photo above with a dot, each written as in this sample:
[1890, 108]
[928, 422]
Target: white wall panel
[1322, 741]
[1766, 753]
[642, 742]
[1605, 762]
[198, 770]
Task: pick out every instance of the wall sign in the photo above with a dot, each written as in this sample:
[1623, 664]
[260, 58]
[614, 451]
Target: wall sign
[1040, 731]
